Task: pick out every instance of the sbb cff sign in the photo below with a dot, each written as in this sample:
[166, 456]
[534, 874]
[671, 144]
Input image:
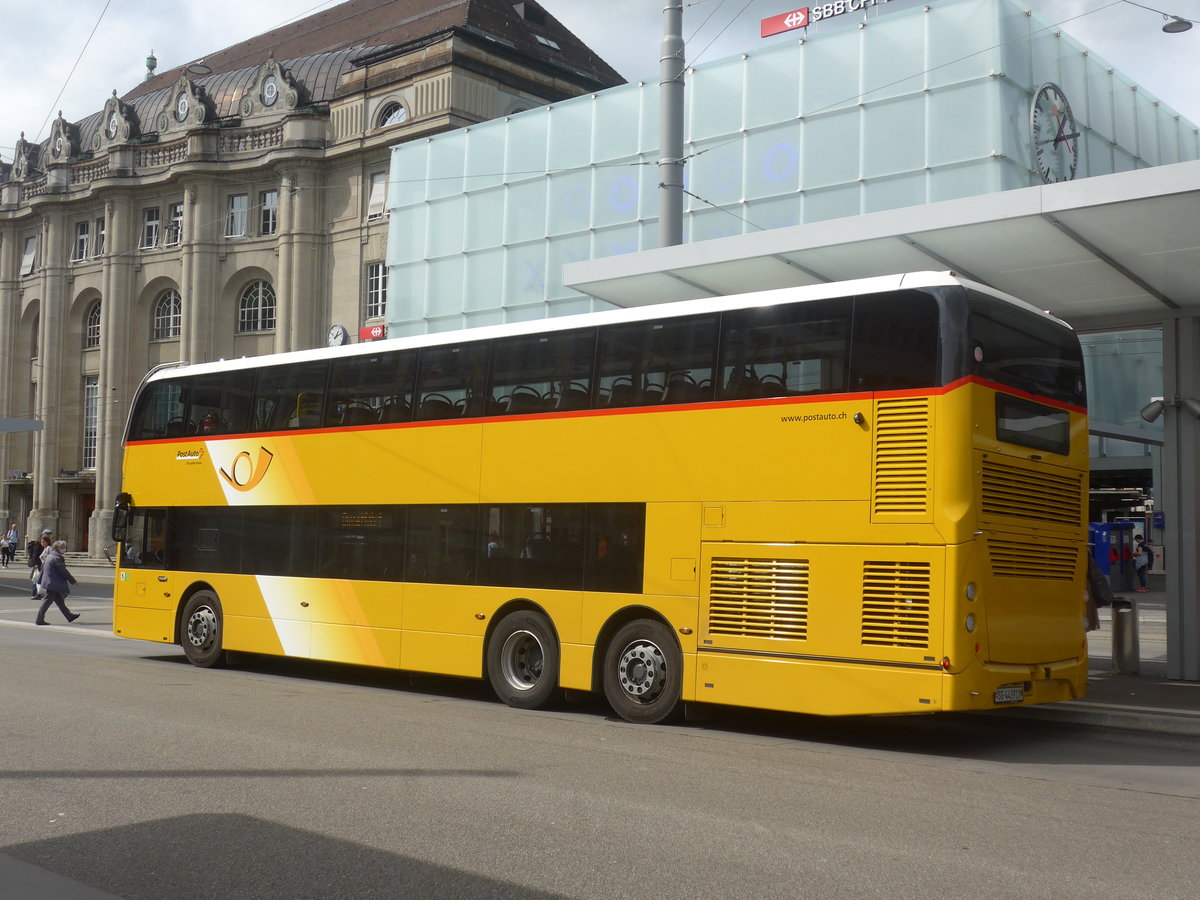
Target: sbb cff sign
[372, 332]
[810, 15]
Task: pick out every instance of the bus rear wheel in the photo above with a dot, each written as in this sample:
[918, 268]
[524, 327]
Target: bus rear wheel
[523, 660]
[643, 673]
[200, 630]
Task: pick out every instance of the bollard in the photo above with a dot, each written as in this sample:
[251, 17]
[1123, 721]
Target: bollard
[1126, 653]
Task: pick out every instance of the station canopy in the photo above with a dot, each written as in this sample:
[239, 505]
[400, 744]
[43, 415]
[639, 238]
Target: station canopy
[1112, 249]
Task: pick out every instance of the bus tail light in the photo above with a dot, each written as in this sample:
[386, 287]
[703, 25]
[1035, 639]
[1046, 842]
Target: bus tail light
[970, 623]
[946, 663]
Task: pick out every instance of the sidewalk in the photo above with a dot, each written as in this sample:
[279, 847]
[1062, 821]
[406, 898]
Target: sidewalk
[1148, 701]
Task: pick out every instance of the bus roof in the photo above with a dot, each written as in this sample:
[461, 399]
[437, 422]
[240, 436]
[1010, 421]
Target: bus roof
[874, 285]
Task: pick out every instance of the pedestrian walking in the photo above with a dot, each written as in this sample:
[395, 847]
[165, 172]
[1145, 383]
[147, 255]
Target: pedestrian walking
[56, 581]
[5, 550]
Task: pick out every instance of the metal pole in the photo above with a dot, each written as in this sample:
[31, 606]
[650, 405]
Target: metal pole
[670, 131]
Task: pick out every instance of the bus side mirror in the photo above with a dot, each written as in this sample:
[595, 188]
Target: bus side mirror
[120, 522]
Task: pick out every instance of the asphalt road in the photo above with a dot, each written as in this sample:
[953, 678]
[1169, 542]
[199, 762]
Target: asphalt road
[128, 772]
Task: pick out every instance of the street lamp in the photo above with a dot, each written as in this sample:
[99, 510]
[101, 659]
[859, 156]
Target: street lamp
[1152, 410]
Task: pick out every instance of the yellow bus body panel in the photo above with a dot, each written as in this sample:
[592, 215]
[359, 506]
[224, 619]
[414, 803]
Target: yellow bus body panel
[885, 534]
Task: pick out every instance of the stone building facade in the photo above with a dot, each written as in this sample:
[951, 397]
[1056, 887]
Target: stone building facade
[233, 207]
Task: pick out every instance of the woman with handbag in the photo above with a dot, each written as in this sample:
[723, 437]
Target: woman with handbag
[56, 581]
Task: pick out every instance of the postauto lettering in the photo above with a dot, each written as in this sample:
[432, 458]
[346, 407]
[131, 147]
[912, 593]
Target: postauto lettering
[838, 8]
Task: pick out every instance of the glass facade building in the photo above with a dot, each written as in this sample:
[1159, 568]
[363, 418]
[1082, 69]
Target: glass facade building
[923, 104]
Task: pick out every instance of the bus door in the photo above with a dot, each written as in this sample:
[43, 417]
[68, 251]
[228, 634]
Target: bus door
[144, 580]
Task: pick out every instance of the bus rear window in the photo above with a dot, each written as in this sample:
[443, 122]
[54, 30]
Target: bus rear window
[1032, 424]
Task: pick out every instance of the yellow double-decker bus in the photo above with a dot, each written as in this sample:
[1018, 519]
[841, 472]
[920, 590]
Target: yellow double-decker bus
[857, 498]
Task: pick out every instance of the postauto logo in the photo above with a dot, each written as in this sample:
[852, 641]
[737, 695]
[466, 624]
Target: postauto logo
[810, 15]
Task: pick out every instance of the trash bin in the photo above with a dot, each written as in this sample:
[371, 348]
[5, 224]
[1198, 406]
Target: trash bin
[1126, 652]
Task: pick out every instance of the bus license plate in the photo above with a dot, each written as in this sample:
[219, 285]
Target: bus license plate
[1012, 693]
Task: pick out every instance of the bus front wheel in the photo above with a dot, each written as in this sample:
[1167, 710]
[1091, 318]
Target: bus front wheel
[523, 660]
[200, 630]
[643, 673]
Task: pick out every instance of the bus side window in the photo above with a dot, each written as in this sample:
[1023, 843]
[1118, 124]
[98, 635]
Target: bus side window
[161, 412]
[368, 389]
[220, 403]
[615, 547]
[451, 381]
[441, 545]
[541, 373]
[145, 542]
[786, 351]
[895, 342]
[290, 396]
[649, 363]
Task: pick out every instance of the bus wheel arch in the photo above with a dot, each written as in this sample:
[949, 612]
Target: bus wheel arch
[201, 627]
[638, 665]
[522, 655]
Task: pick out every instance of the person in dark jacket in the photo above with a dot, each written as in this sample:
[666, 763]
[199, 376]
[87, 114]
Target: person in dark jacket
[34, 561]
[57, 581]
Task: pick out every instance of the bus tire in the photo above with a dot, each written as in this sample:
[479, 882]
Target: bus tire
[200, 630]
[523, 660]
[643, 673]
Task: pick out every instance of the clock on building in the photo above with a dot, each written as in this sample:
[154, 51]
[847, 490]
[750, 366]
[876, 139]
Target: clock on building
[1054, 135]
[181, 106]
[337, 335]
[114, 123]
[270, 91]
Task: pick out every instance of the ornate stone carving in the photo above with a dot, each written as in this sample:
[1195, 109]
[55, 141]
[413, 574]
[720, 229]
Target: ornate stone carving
[64, 140]
[22, 162]
[274, 91]
[118, 124]
[186, 106]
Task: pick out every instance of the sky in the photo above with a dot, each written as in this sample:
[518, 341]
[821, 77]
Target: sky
[106, 43]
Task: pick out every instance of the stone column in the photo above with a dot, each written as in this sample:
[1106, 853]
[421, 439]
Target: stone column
[117, 382]
[285, 291]
[201, 295]
[51, 393]
[308, 302]
[10, 318]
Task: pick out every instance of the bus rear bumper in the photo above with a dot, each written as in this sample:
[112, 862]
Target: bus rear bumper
[999, 685]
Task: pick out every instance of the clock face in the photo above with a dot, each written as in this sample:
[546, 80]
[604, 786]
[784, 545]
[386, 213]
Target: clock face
[270, 91]
[113, 124]
[1054, 134]
[337, 335]
[58, 145]
[181, 106]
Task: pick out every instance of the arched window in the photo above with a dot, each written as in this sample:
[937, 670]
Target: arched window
[256, 311]
[391, 114]
[168, 315]
[91, 332]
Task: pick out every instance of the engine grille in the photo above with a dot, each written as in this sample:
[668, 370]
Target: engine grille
[895, 604]
[759, 598]
[1013, 559]
[1031, 494]
[900, 479]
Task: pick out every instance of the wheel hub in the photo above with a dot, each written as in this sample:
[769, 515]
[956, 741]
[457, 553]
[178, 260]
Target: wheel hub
[521, 660]
[202, 628]
[642, 670]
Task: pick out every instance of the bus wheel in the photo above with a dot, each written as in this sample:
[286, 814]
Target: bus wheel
[200, 630]
[643, 673]
[523, 659]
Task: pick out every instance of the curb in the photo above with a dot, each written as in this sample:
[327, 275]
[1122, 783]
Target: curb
[1125, 718]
